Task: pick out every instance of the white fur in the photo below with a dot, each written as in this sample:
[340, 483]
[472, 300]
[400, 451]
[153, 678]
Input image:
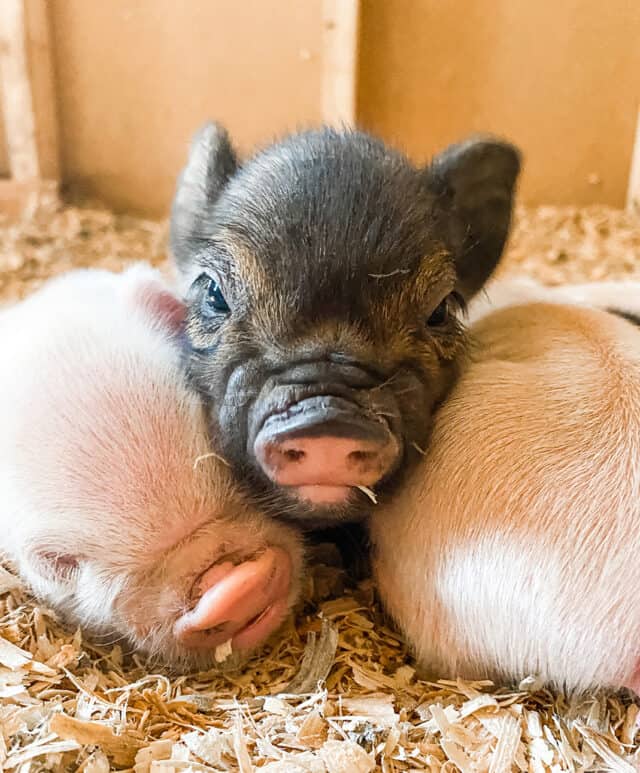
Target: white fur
[98, 448]
[500, 293]
[512, 550]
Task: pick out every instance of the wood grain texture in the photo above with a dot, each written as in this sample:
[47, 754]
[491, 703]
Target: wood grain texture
[136, 79]
[17, 101]
[43, 87]
[561, 79]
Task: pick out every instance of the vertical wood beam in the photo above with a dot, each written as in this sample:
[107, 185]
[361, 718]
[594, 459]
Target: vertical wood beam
[28, 104]
[341, 22]
[633, 192]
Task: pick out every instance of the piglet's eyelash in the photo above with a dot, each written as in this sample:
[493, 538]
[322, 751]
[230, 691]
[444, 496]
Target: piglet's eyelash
[458, 303]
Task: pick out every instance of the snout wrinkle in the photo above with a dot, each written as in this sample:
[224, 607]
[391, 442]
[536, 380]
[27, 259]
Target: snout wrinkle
[326, 441]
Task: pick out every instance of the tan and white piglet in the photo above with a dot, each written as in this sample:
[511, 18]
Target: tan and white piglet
[111, 506]
[512, 550]
[619, 296]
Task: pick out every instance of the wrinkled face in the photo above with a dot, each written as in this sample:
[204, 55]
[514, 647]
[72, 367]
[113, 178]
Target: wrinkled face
[123, 521]
[326, 279]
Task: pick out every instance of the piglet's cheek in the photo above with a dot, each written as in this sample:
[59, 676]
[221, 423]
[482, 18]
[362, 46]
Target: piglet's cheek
[634, 682]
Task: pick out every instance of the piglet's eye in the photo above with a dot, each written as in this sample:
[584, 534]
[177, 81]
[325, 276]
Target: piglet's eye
[213, 300]
[440, 315]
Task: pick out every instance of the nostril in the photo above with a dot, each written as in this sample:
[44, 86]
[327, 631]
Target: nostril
[362, 456]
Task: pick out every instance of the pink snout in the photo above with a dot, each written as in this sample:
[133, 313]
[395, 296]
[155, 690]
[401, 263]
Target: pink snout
[244, 603]
[318, 466]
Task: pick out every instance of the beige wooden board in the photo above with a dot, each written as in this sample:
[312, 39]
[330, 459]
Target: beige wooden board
[561, 79]
[17, 104]
[136, 79]
[340, 29]
[633, 193]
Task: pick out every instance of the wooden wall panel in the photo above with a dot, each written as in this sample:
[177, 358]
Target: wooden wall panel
[135, 79]
[4, 157]
[562, 79]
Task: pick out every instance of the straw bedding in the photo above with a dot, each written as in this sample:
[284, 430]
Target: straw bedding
[337, 692]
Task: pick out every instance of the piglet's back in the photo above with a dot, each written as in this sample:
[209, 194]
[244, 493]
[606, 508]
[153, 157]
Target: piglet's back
[514, 547]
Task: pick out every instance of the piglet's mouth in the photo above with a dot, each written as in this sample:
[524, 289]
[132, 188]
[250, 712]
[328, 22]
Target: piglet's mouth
[334, 496]
[242, 603]
[323, 495]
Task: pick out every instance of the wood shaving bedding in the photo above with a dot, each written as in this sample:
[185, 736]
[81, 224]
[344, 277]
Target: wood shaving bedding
[66, 704]
[337, 692]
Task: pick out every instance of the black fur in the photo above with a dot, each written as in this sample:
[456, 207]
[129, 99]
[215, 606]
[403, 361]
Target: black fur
[629, 316]
[332, 251]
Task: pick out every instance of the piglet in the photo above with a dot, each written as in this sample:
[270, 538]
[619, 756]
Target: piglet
[325, 277]
[111, 506]
[511, 550]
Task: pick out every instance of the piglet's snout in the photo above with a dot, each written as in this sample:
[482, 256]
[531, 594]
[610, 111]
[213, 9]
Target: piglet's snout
[325, 442]
[325, 461]
[244, 603]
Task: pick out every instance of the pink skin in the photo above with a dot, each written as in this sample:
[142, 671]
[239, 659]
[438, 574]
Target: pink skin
[634, 682]
[244, 603]
[325, 469]
[108, 502]
[325, 495]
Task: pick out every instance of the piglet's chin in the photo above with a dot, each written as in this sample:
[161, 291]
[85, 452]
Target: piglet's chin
[324, 495]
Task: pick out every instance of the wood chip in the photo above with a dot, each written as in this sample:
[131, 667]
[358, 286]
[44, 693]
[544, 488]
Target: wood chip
[98, 762]
[34, 751]
[157, 750]
[223, 651]
[121, 748]
[9, 580]
[13, 657]
[313, 731]
[631, 725]
[345, 757]
[319, 656]
[243, 758]
[341, 606]
[507, 746]
[456, 755]
[378, 707]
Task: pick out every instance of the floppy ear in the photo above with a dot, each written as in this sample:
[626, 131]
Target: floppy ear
[475, 184]
[146, 290]
[211, 163]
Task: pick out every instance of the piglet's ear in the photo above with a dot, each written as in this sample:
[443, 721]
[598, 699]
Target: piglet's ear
[211, 163]
[146, 290]
[165, 308]
[475, 185]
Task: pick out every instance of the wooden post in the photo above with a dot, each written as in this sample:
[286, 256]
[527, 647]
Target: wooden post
[633, 193]
[341, 20]
[28, 103]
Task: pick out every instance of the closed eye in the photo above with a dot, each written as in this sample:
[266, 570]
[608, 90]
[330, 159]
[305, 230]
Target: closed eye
[63, 567]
